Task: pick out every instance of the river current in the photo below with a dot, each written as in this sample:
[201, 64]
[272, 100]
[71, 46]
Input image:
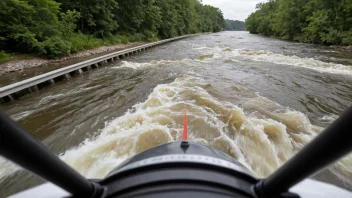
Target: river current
[255, 98]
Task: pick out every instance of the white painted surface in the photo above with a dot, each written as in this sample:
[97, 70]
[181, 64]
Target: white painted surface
[315, 189]
[306, 189]
[47, 190]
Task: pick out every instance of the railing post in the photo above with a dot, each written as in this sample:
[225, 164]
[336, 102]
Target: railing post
[34, 88]
[11, 97]
[67, 76]
[52, 81]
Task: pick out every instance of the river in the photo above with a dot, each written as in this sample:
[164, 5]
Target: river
[258, 99]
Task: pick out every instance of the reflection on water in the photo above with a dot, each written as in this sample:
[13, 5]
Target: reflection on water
[258, 99]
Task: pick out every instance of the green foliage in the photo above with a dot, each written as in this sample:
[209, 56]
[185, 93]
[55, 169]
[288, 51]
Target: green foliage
[231, 25]
[55, 28]
[4, 57]
[123, 39]
[137, 37]
[314, 21]
[97, 16]
[68, 22]
[318, 27]
[252, 23]
[347, 39]
[81, 42]
[331, 36]
[55, 47]
[24, 24]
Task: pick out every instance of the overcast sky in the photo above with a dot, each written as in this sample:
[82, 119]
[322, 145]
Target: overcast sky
[234, 9]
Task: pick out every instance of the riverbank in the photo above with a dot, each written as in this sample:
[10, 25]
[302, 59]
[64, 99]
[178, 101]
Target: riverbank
[253, 85]
[337, 47]
[347, 48]
[31, 62]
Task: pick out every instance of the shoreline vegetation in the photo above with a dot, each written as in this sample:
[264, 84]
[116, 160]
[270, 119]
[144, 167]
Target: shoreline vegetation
[326, 22]
[22, 61]
[234, 25]
[36, 32]
[53, 29]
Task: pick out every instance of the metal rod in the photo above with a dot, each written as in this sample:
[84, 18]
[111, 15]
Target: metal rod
[67, 76]
[52, 81]
[329, 146]
[11, 97]
[20, 147]
[35, 88]
[80, 71]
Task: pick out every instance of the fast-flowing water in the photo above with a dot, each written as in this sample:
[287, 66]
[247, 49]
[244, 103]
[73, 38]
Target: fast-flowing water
[258, 99]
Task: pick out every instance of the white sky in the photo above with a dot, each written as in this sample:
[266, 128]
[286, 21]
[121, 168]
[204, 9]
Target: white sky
[234, 9]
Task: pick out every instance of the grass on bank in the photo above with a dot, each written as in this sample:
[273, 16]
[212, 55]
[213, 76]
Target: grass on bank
[79, 42]
[4, 57]
[57, 47]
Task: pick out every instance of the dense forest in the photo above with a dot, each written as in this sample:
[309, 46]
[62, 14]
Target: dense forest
[313, 21]
[55, 28]
[231, 25]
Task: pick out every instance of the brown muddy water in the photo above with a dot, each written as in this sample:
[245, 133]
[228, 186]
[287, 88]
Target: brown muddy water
[258, 99]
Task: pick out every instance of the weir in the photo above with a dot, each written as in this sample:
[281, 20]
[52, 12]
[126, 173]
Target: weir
[11, 92]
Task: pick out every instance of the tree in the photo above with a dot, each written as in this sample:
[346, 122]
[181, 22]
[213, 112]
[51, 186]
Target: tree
[231, 25]
[25, 24]
[316, 21]
[55, 28]
[97, 16]
[68, 22]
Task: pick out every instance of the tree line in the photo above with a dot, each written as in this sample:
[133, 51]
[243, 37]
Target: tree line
[231, 25]
[55, 28]
[312, 21]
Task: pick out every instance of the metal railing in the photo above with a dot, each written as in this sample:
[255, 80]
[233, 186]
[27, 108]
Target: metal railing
[8, 90]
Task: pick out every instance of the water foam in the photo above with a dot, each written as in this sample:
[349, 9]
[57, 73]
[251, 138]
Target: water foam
[242, 55]
[261, 143]
[265, 56]
[309, 63]
[260, 134]
[7, 168]
[135, 65]
[262, 140]
[51, 100]
[21, 115]
[328, 118]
